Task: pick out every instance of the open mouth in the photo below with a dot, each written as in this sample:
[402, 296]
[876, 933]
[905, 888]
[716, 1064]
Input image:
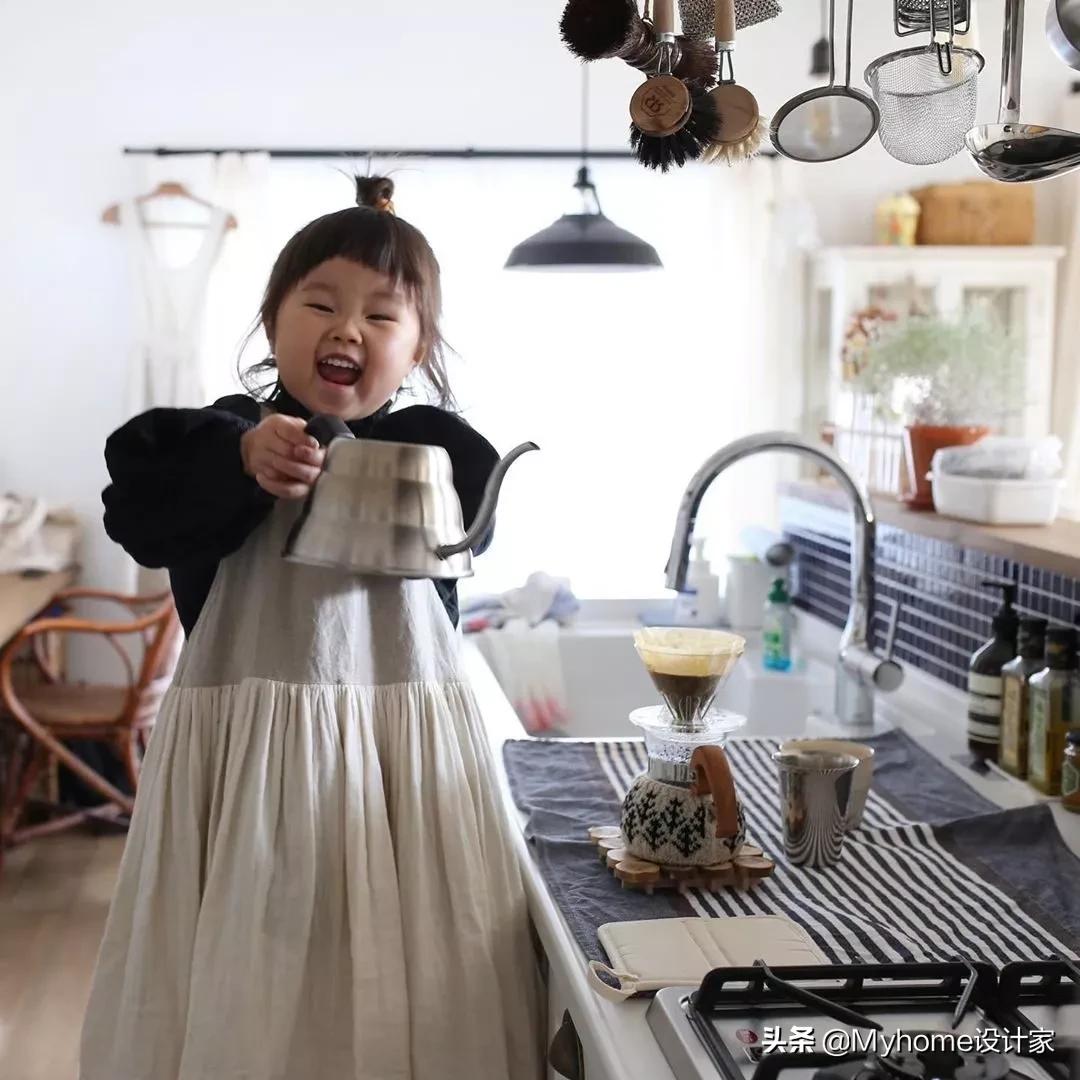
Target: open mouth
[339, 370]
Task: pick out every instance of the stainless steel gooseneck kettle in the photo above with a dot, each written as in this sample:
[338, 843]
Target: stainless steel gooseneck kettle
[389, 508]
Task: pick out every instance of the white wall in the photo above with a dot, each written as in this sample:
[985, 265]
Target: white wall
[78, 82]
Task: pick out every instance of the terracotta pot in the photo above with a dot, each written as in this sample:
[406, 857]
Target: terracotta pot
[921, 442]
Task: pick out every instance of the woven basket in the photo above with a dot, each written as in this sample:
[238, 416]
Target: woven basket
[976, 212]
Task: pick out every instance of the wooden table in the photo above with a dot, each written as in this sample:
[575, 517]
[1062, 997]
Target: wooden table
[21, 598]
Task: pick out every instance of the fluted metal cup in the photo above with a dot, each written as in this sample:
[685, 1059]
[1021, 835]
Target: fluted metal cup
[815, 789]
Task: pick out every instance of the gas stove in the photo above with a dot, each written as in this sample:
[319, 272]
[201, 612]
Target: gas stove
[944, 1021]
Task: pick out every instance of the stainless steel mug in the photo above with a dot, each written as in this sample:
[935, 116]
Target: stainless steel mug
[815, 788]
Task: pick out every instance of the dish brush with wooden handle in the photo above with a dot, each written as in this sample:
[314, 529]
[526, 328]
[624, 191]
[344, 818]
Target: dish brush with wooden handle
[671, 121]
[741, 131]
[598, 29]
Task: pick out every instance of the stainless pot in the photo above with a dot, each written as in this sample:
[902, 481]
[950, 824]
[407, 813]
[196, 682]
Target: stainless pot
[389, 508]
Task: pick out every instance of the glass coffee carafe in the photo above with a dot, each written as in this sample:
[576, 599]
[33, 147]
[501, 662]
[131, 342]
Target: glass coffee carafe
[687, 667]
[669, 814]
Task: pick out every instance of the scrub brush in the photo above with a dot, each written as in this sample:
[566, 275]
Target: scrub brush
[597, 29]
[740, 131]
[672, 122]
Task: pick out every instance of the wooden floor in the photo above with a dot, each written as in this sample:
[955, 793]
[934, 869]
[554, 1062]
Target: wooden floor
[54, 896]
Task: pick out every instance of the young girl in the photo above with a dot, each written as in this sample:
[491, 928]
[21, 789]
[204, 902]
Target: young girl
[318, 879]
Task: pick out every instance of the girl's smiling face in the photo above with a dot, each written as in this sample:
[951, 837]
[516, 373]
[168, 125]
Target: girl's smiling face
[345, 339]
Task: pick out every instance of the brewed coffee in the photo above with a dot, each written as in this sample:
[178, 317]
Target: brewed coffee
[687, 667]
[687, 696]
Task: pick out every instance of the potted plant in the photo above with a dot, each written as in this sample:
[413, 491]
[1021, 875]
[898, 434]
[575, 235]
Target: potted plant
[950, 381]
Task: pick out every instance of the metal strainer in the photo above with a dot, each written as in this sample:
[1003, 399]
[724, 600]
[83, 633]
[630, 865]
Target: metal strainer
[925, 113]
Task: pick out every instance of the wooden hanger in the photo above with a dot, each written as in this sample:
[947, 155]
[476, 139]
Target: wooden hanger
[167, 188]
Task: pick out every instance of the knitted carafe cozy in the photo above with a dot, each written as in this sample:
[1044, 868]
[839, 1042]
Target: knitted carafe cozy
[673, 824]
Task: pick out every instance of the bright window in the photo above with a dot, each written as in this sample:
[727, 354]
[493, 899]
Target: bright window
[626, 381]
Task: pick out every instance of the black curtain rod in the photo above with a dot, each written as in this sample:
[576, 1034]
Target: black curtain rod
[390, 152]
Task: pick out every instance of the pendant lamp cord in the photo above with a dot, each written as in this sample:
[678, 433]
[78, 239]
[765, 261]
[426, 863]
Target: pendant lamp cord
[584, 182]
[584, 113]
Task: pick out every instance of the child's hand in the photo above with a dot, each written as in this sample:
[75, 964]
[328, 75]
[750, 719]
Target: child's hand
[282, 458]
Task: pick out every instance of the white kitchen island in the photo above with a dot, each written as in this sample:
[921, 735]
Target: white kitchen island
[617, 1041]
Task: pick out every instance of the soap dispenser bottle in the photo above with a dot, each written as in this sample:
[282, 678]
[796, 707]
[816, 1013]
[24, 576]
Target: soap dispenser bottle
[704, 585]
[984, 677]
[1015, 703]
[778, 628]
[1055, 709]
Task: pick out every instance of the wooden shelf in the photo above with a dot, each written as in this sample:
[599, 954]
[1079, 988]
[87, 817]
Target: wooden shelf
[927, 252]
[1053, 547]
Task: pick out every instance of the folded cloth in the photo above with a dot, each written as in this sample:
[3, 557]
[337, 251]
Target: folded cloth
[1003, 458]
[34, 538]
[525, 661]
[541, 597]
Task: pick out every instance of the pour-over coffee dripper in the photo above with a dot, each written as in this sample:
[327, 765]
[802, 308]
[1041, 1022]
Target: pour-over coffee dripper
[667, 818]
[688, 667]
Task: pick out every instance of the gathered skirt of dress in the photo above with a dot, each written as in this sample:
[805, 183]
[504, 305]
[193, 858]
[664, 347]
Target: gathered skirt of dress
[318, 879]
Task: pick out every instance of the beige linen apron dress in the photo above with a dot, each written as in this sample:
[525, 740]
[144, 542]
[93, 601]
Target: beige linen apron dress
[318, 881]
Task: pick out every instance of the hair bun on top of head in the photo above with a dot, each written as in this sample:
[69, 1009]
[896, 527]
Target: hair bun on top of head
[375, 192]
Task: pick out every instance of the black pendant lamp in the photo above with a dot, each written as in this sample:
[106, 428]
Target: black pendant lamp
[585, 240]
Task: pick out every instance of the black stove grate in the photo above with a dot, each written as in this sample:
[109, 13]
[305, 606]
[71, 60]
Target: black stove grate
[953, 988]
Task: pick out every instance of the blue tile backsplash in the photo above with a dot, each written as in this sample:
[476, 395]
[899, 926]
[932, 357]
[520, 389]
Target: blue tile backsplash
[945, 609]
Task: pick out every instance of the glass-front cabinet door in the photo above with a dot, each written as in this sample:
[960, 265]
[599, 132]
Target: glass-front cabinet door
[1014, 285]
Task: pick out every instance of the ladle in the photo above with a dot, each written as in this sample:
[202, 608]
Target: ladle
[1063, 31]
[1009, 151]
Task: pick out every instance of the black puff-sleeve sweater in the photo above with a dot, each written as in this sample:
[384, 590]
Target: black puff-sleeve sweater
[180, 498]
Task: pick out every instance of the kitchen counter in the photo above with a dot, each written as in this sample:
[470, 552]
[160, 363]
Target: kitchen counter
[1053, 547]
[618, 1042]
[616, 1038]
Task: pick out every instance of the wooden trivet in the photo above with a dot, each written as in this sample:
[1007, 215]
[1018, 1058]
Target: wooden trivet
[749, 866]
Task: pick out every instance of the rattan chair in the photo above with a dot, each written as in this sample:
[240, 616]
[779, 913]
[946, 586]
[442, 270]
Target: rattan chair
[50, 712]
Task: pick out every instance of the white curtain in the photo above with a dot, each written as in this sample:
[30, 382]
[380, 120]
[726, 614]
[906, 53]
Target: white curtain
[1066, 396]
[628, 382]
[239, 182]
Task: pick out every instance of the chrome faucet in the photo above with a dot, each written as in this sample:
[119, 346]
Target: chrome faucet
[859, 672]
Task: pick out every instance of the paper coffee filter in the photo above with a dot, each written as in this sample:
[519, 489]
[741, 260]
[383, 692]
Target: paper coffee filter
[685, 651]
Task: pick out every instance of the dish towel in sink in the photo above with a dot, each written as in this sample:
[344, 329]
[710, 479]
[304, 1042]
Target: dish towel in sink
[526, 662]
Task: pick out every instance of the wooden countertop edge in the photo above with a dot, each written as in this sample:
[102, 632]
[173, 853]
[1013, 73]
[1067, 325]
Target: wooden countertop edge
[1053, 547]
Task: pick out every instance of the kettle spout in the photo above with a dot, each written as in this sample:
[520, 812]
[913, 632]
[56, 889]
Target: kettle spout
[487, 505]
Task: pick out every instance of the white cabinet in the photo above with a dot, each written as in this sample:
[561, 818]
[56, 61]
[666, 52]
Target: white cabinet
[1017, 283]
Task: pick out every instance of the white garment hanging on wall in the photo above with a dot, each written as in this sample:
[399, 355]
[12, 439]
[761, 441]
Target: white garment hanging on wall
[167, 363]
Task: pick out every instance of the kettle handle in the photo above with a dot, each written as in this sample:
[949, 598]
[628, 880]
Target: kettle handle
[712, 775]
[327, 428]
